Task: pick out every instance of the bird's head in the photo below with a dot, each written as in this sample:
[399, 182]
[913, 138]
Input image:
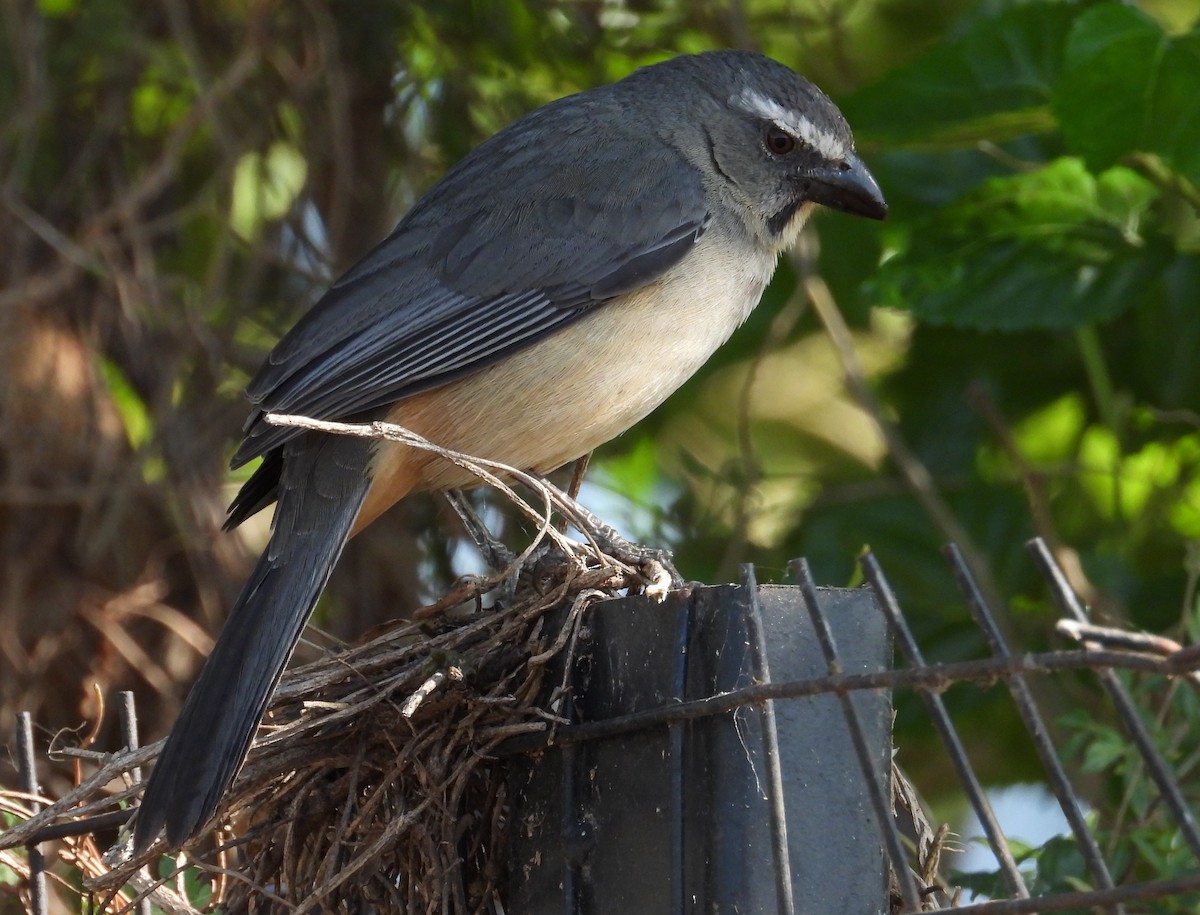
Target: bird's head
[768, 141]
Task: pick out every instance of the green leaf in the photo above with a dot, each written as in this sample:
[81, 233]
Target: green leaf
[1126, 87]
[1060, 867]
[158, 103]
[1053, 247]
[135, 415]
[1184, 512]
[265, 186]
[1103, 753]
[994, 82]
[57, 8]
[1050, 434]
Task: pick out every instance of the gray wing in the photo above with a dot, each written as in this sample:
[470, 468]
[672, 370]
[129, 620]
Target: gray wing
[498, 255]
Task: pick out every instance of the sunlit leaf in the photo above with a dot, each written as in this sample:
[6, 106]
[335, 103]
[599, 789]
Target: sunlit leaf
[157, 102]
[1050, 434]
[1185, 512]
[57, 8]
[1053, 247]
[265, 187]
[135, 416]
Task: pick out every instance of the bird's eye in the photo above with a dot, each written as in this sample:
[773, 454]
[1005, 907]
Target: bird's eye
[778, 141]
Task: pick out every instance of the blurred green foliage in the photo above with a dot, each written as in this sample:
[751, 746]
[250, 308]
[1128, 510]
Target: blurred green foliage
[1048, 212]
[1040, 163]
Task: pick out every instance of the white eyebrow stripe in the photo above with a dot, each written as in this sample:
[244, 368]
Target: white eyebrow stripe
[824, 142]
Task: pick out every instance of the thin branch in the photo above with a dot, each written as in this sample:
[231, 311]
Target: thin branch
[914, 473]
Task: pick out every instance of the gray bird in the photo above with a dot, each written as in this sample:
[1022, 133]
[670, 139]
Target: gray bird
[550, 291]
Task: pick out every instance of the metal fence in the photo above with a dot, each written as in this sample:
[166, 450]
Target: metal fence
[909, 847]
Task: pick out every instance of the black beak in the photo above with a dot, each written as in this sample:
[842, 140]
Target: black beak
[847, 186]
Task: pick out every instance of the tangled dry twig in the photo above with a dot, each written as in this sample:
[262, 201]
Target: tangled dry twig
[374, 780]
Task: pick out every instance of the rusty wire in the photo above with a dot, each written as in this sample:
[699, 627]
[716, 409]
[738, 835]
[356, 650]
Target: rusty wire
[370, 749]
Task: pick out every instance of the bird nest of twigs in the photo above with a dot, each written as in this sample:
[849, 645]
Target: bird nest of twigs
[379, 774]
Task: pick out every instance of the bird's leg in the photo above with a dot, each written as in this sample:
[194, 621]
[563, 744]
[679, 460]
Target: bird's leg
[577, 472]
[655, 564]
[498, 557]
[506, 573]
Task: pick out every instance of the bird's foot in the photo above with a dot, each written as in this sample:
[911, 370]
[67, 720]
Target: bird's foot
[546, 565]
[654, 565]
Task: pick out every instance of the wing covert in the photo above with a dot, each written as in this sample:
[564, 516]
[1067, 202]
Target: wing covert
[495, 257]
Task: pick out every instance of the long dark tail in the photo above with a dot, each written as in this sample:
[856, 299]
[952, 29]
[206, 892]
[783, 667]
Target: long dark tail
[322, 487]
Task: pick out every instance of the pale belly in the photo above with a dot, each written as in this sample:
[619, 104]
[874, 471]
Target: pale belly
[543, 407]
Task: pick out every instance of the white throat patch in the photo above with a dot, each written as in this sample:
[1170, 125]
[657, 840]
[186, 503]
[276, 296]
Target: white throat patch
[824, 142]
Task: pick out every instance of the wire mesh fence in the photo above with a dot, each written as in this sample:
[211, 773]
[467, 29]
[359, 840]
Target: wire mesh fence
[514, 716]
